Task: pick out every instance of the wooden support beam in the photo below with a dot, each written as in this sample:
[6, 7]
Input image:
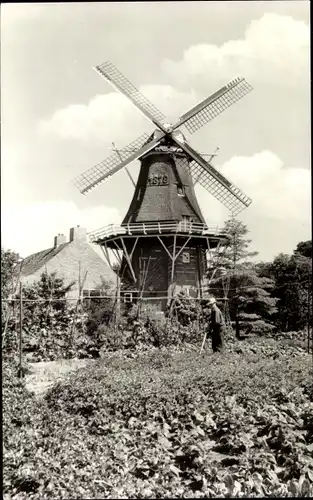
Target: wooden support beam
[107, 252]
[118, 248]
[168, 253]
[132, 252]
[209, 248]
[117, 254]
[199, 263]
[145, 274]
[173, 265]
[208, 244]
[106, 256]
[182, 248]
[120, 258]
[128, 261]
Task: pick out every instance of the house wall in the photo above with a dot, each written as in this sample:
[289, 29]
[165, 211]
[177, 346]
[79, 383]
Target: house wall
[77, 254]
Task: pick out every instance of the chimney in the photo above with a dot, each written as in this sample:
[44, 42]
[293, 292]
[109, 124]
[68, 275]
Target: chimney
[78, 233]
[59, 240]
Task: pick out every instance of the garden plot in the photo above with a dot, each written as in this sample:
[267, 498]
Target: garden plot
[162, 424]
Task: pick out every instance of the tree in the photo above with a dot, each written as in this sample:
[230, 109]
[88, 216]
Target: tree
[9, 261]
[9, 265]
[237, 253]
[44, 308]
[292, 277]
[45, 313]
[249, 297]
[304, 248]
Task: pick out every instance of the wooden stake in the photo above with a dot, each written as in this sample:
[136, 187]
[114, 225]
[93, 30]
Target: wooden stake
[170, 312]
[117, 302]
[14, 292]
[21, 333]
[143, 286]
[50, 299]
[173, 266]
[308, 317]
[80, 293]
[203, 342]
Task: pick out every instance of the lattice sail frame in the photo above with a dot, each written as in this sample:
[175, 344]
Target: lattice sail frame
[217, 103]
[95, 175]
[225, 195]
[199, 115]
[121, 83]
[216, 183]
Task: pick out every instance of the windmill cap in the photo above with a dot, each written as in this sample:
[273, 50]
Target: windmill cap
[211, 301]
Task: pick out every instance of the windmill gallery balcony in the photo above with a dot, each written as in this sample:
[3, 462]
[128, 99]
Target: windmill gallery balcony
[155, 228]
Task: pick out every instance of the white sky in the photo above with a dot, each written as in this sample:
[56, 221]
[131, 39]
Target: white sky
[59, 117]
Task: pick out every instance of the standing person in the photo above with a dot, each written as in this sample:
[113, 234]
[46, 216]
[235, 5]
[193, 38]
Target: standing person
[216, 326]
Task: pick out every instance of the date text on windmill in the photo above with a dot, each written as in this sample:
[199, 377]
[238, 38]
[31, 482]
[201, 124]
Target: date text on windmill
[158, 180]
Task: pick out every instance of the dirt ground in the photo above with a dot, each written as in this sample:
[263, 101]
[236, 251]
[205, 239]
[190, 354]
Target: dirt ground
[46, 373]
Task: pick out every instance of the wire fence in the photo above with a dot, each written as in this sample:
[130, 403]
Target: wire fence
[162, 294]
[18, 308]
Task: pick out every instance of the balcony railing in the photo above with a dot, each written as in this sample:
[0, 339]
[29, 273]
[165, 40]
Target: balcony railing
[146, 228]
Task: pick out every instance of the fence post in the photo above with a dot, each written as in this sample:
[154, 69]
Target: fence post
[20, 370]
[117, 302]
[308, 318]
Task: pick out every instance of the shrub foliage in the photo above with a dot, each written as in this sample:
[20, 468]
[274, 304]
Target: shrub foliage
[165, 424]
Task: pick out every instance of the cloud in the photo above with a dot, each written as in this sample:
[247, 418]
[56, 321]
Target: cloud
[113, 117]
[35, 225]
[274, 49]
[278, 192]
[280, 214]
[273, 54]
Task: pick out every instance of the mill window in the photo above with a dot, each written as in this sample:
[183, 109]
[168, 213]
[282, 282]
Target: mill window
[180, 190]
[128, 297]
[186, 257]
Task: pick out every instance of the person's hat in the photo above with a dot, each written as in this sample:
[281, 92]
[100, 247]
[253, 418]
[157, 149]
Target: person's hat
[211, 301]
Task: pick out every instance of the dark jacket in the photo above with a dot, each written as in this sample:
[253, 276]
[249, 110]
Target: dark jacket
[216, 320]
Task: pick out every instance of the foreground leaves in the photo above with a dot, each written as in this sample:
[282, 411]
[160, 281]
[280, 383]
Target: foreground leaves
[164, 424]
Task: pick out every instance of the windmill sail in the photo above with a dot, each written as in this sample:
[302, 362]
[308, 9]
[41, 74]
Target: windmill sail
[214, 105]
[220, 192]
[100, 172]
[120, 82]
[214, 182]
[199, 115]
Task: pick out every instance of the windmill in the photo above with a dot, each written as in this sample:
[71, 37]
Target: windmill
[163, 241]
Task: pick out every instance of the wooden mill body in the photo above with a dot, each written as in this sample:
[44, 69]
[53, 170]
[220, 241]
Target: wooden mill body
[163, 238]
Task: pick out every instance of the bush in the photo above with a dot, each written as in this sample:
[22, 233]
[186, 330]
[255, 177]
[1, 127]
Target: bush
[260, 327]
[20, 410]
[99, 312]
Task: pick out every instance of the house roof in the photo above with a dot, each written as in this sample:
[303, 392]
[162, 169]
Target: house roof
[36, 261]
